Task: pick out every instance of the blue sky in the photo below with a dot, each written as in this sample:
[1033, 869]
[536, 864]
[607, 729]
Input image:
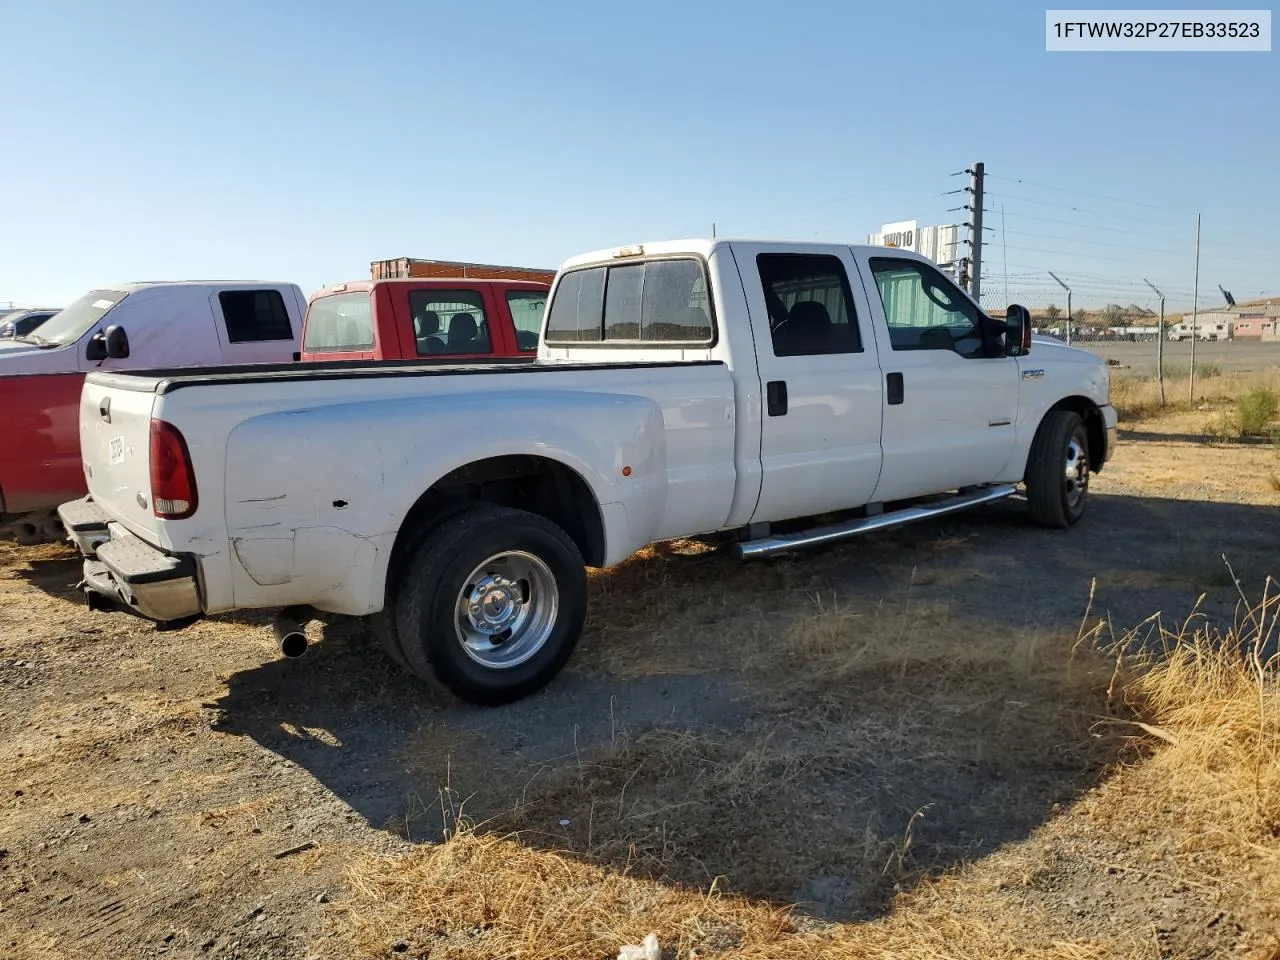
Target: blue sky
[299, 141]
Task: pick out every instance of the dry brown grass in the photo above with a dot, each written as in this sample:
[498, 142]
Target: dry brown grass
[1200, 711]
[1213, 702]
[1137, 398]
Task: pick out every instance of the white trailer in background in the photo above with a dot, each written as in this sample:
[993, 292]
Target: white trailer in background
[1203, 330]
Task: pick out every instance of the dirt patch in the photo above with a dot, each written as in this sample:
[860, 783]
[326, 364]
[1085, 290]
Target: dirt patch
[869, 732]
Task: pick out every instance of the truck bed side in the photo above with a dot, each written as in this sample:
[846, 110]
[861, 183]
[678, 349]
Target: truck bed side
[293, 466]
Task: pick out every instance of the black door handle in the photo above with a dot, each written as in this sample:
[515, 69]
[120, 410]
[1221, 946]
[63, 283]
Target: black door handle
[104, 409]
[893, 387]
[775, 392]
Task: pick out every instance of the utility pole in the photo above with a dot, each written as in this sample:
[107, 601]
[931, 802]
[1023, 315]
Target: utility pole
[1068, 289]
[1159, 341]
[713, 229]
[1195, 297]
[976, 176]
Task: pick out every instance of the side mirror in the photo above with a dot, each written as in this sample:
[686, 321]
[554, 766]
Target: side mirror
[1017, 324]
[117, 342]
[96, 349]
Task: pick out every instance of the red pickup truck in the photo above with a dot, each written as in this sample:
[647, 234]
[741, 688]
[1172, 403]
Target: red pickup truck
[439, 318]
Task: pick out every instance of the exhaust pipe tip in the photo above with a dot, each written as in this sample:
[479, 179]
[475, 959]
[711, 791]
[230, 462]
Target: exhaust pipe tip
[293, 644]
[289, 626]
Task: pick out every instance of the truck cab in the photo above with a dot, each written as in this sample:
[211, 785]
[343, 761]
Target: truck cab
[452, 318]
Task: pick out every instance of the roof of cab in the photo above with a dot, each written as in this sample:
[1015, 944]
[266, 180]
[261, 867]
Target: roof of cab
[356, 286]
[706, 246]
[136, 285]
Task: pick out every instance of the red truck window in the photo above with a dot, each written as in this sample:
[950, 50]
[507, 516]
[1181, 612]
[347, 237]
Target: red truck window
[527, 309]
[449, 321]
[341, 323]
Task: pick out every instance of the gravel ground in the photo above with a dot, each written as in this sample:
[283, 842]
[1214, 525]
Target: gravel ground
[192, 795]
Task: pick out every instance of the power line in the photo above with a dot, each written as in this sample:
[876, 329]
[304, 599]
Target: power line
[1094, 281]
[1085, 193]
[1085, 254]
[1091, 242]
[1244, 254]
[1077, 223]
[1096, 213]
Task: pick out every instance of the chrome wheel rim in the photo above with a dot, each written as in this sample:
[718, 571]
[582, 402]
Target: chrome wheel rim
[506, 610]
[1077, 472]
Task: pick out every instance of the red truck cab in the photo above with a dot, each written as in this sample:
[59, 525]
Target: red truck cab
[453, 318]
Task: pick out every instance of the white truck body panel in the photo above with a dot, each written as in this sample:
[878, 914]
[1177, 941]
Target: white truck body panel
[267, 526]
[306, 477]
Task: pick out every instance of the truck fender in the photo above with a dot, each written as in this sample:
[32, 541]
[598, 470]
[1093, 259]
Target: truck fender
[397, 450]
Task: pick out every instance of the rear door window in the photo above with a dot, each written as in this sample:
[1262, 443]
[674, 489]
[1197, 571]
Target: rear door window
[449, 321]
[810, 306]
[527, 307]
[340, 323]
[254, 316]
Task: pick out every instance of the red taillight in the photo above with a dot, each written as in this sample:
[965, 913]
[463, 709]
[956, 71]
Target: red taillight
[173, 481]
[1026, 336]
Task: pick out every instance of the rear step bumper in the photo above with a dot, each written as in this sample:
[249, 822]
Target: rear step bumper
[85, 523]
[125, 572]
[768, 546]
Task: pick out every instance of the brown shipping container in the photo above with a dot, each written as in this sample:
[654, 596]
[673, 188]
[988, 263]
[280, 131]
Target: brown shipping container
[405, 267]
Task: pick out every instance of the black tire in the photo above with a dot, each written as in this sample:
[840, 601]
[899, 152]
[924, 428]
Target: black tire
[1055, 500]
[383, 623]
[428, 594]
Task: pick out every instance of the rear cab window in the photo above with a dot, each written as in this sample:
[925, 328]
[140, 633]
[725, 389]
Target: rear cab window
[655, 302]
[340, 323]
[255, 316]
[449, 322]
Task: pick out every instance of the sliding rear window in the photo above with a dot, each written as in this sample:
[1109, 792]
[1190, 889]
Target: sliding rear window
[653, 303]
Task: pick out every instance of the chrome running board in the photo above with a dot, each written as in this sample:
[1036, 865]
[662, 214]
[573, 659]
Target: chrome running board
[768, 546]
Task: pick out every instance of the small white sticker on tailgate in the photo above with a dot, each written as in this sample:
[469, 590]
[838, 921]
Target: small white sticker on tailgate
[117, 450]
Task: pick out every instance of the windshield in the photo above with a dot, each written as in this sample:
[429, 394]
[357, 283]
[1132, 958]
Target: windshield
[78, 319]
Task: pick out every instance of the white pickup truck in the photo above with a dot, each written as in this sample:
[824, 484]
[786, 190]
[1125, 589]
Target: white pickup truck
[681, 389]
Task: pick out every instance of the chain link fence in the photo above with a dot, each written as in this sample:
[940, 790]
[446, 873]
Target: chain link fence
[1111, 324]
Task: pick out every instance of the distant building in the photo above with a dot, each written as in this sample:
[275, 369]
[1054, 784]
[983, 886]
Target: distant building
[1260, 321]
[939, 244]
[1257, 320]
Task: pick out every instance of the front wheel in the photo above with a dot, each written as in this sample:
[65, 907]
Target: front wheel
[1057, 474]
[492, 604]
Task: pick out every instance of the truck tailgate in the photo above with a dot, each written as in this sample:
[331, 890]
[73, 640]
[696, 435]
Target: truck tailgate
[115, 441]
